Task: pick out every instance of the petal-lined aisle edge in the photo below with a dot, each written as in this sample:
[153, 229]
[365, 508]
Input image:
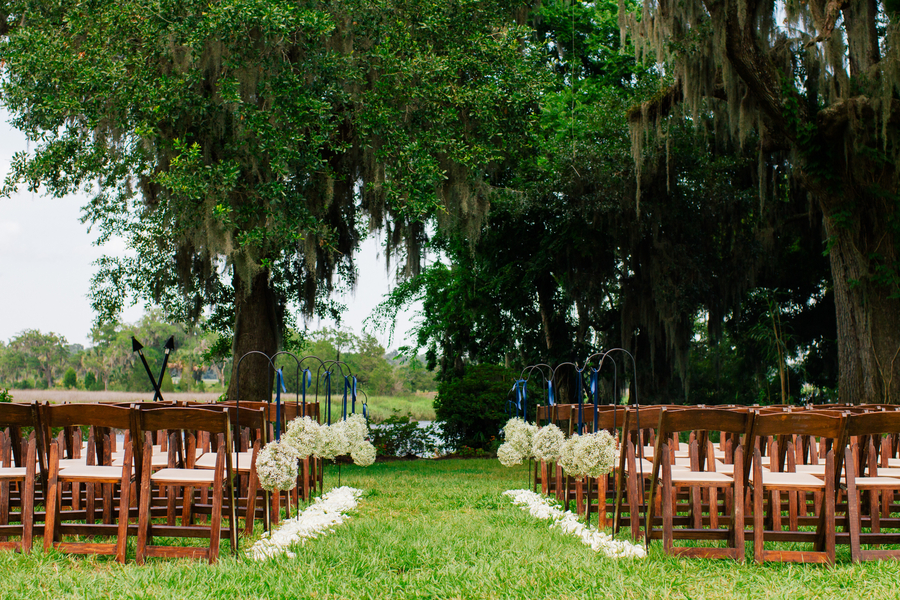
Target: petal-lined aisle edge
[540, 507]
[320, 517]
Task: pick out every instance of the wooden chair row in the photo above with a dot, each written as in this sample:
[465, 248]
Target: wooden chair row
[159, 474]
[767, 464]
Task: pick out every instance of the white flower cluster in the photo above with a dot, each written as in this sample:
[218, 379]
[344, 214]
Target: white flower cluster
[276, 464]
[320, 517]
[540, 507]
[518, 445]
[331, 442]
[301, 436]
[547, 443]
[276, 467]
[349, 437]
[591, 454]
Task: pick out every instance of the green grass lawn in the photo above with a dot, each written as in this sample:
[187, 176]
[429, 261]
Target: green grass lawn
[420, 406]
[439, 529]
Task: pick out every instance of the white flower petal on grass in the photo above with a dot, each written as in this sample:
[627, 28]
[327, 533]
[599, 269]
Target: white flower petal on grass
[541, 508]
[322, 516]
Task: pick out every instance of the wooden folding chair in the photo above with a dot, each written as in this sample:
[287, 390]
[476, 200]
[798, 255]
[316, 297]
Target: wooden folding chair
[778, 480]
[18, 471]
[95, 474]
[866, 439]
[250, 435]
[703, 481]
[634, 469]
[220, 482]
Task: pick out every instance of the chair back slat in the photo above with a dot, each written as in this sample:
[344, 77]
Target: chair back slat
[703, 419]
[819, 423]
[184, 418]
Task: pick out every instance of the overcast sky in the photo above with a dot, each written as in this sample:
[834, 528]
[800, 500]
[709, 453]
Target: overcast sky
[47, 255]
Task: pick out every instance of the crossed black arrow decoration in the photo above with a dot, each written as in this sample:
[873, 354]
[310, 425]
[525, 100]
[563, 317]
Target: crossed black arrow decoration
[136, 346]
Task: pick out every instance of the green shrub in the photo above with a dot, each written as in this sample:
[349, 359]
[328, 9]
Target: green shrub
[92, 383]
[401, 436]
[5, 396]
[70, 379]
[472, 409]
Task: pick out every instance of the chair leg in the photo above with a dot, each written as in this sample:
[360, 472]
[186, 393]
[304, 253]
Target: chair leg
[28, 498]
[829, 508]
[124, 504]
[216, 517]
[52, 504]
[758, 517]
[144, 538]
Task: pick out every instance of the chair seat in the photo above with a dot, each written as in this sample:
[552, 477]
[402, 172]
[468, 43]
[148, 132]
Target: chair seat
[817, 470]
[12, 473]
[877, 482]
[790, 480]
[157, 461]
[183, 477]
[700, 477]
[91, 473]
[72, 462]
[240, 461]
[647, 467]
[889, 472]
[729, 469]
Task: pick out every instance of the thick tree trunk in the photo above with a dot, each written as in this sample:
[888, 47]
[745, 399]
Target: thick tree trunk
[257, 327]
[868, 319]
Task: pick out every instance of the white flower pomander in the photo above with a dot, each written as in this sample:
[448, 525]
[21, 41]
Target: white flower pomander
[509, 455]
[331, 441]
[301, 436]
[356, 429]
[591, 454]
[520, 435]
[363, 454]
[276, 467]
[547, 443]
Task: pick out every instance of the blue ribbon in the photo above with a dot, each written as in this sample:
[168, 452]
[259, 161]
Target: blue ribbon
[328, 393]
[550, 398]
[524, 387]
[579, 398]
[595, 392]
[353, 396]
[305, 382]
[346, 385]
[279, 387]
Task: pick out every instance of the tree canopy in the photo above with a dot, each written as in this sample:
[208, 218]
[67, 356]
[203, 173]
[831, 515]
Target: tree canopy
[812, 88]
[242, 148]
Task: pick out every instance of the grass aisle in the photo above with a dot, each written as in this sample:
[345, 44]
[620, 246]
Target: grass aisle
[439, 529]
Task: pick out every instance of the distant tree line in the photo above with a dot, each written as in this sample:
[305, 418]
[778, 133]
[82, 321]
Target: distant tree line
[37, 360]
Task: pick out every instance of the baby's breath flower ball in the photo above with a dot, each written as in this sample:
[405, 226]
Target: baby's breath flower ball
[276, 466]
[331, 442]
[547, 443]
[520, 435]
[301, 436]
[509, 455]
[363, 454]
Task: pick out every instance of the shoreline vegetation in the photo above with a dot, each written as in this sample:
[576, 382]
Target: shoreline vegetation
[419, 405]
